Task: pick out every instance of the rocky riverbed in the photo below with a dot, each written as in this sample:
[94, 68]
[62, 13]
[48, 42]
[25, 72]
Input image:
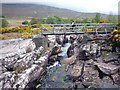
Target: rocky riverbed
[70, 62]
[21, 63]
[90, 63]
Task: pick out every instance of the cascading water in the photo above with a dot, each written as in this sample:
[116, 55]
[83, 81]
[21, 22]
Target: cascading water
[56, 73]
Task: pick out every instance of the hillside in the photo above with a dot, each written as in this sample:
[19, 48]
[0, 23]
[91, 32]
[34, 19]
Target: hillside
[35, 10]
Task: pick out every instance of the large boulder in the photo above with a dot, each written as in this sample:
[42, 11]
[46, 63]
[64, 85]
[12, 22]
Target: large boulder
[59, 39]
[65, 39]
[69, 60]
[53, 58]
[83, 55]
[29, 75]
[72, 38]
[55, 50]
[108, 68]
[70, 51]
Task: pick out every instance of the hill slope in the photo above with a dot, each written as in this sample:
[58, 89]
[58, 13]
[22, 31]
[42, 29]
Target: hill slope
[35, 10]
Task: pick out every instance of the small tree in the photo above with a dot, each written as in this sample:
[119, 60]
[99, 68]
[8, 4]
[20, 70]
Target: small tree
[112, 19]
[86, 20]
[25, 22]
[4, 23]
[97, 17]
[41, 21]
[51, 20]
[58, 20]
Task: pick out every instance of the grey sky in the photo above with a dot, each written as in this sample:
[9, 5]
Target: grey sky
[103, 6]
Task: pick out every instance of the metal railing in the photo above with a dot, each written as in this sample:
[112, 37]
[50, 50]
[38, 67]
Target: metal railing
[91, 28]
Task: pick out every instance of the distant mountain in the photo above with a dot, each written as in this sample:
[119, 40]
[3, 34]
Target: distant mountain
[35, 10]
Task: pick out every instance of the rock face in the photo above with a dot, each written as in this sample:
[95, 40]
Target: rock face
[70, 50]
[54, 53]
[56, 50]
[21, 65]
[108, 68]
[53, 58]
[100, 66]
[72, 38]
[59, 39]
[65, 39]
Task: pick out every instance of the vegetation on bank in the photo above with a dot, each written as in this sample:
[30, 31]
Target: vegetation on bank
[24, 30]
[115, 39]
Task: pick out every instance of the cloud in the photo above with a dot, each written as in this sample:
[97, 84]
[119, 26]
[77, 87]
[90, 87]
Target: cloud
[103, 6]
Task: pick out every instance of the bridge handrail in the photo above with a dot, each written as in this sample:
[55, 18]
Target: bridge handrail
[85, 23]
[80, 27]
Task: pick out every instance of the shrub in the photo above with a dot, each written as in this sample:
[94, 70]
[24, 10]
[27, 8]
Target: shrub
[25, 22]
[4, 23]
[51, 20]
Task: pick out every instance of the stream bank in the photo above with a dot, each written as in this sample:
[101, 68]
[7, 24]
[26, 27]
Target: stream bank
[86, 64]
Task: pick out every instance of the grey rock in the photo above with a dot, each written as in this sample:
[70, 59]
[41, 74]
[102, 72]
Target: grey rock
[28, 76]
[56, 50]
[108, 68]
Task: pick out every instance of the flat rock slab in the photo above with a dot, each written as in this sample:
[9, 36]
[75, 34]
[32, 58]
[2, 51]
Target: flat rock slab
[110, 58]
[15, 46]
[108, 68]
[69, 60]
[76, 72]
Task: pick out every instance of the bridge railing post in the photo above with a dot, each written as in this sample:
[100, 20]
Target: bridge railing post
[64, 29]
[105, 30]
[45, 43]
[96, 31]
[53, 28]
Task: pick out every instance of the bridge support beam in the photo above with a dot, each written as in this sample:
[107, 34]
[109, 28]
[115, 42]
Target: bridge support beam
[45, 43]
[41, 41]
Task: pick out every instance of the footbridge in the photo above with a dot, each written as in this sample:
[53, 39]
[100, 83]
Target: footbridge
[89, 28]
[67, 29]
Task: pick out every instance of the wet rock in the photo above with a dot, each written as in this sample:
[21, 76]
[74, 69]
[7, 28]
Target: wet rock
[72, 38]
[91, 85]
[65, 39]
[79, 39]
[59, 39]
[83, 55]
[42, 61]
[69, 60]
[70, 51]
[55, 50]
[53, 58]
[79, 86]
[108, 85]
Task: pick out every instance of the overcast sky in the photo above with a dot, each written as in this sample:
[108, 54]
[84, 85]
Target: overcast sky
[102, 6]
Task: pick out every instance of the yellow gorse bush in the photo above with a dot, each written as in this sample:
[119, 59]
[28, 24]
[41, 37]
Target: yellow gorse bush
[115, 37]
[24, 29]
